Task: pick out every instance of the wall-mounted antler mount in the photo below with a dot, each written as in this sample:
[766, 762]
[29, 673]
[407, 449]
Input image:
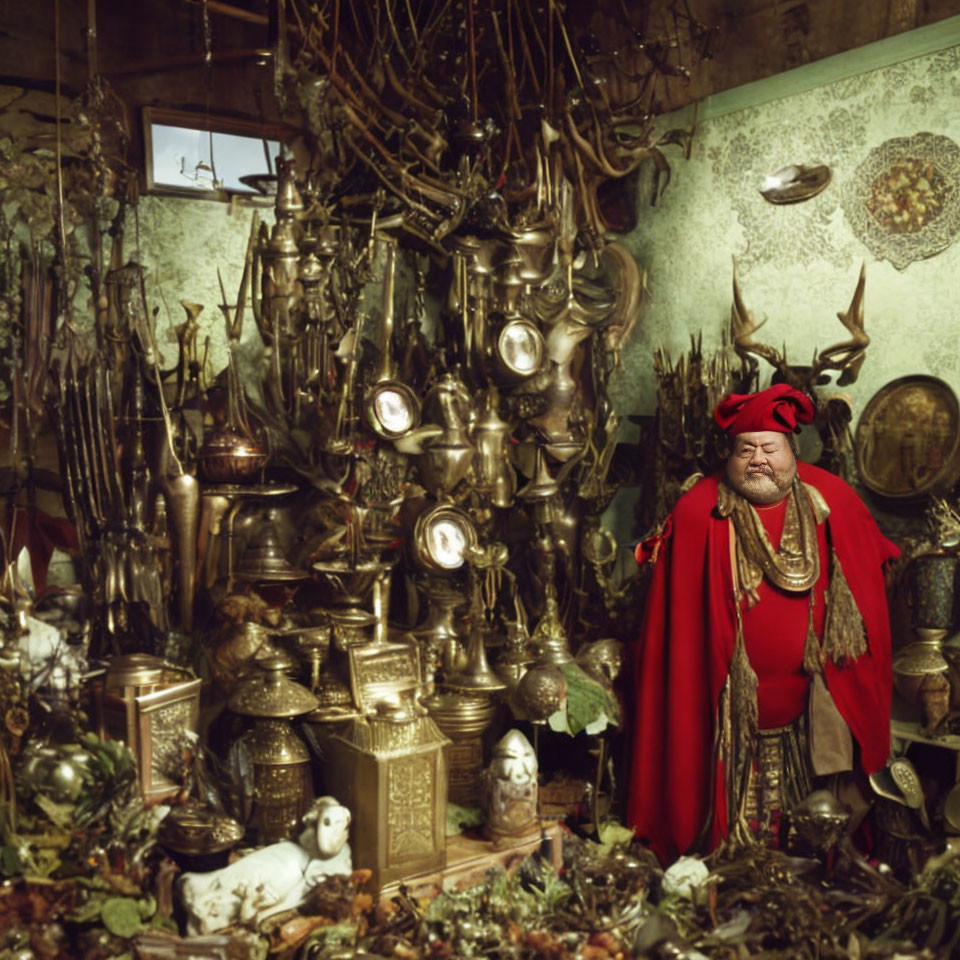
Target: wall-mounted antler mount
[846, 357]
[834, 414]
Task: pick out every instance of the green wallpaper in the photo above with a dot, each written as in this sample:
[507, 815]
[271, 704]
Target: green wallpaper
[798, 264]
[182, 242]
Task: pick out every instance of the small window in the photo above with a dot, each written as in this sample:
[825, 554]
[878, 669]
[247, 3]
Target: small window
[211, 157]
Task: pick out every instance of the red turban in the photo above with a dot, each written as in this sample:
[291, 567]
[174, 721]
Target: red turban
[778, 408]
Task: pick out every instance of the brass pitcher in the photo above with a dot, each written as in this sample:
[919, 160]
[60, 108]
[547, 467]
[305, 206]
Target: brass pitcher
[447, 457]
[496, 478]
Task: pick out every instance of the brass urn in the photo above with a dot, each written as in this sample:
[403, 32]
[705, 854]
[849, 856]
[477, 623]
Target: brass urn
[283, 787]
[229, 455]
[463, 717]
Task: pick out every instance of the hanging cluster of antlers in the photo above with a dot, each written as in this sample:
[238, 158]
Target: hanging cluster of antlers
[845, 357]
[455, 109]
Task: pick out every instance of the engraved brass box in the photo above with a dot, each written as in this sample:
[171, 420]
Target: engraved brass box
[150, 705]
[388, 766]
[392, 776]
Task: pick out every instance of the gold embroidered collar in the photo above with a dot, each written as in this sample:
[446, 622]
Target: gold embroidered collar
[795, 566]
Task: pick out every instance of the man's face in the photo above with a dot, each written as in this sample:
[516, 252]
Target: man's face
[761, 466]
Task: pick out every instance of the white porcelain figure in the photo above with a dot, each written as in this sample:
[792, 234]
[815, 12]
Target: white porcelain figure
[509, 787]
[514, 759]
[272, 879]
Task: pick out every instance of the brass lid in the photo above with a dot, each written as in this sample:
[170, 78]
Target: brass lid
[268, 692]
[141, 670]
[264, 561]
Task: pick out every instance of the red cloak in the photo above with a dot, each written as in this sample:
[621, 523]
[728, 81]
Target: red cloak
[686, 645]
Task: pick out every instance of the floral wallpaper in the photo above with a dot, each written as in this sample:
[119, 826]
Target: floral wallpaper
[798, 263]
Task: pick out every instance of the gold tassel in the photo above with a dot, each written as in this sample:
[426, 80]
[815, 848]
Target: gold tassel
[812, 655]
[743, 686]
[845, 637]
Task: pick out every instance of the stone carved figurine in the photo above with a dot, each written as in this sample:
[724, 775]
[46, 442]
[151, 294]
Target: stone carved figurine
[272, 879]
[510, 787]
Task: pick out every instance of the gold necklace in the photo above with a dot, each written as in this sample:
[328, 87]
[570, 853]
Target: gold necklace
[795, 566]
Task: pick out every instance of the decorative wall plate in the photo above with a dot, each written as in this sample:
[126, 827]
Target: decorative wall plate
[903, 201]
[908, 438]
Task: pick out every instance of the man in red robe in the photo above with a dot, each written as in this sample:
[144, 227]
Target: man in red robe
[764, 659]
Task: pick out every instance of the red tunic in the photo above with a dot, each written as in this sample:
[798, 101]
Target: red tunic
[686, 645]
[775, 632]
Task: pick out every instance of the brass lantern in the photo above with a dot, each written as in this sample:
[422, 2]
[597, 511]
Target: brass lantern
[283, 787]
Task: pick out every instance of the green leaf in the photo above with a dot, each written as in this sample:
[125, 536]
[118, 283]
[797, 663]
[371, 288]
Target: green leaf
[461, 818]
[10, 861]
[87, 912]
[587, 700]
[60, 814]
[147, 907]
[106, 761]
[121, 916]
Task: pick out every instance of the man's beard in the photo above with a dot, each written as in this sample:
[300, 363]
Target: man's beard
[763, 484]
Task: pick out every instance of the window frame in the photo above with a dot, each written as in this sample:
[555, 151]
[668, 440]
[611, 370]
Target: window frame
[195, 120]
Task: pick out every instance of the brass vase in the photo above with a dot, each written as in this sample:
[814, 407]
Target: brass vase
[933, 576]
[183, 502]
[920, 673]
[463, 717]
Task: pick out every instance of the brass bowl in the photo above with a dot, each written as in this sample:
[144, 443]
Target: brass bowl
[228, 456]
[197, 830]
[344, 584]
[820, 819]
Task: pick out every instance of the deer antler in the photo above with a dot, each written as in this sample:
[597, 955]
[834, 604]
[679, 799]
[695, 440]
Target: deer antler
[849, 355]
[743, 327]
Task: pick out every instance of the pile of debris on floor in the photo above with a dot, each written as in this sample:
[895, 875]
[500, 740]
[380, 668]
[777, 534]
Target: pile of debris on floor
[610, 901]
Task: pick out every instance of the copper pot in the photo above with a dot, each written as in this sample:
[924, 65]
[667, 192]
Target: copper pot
[228, 456]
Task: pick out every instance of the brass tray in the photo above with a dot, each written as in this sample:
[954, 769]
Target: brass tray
[908, 439]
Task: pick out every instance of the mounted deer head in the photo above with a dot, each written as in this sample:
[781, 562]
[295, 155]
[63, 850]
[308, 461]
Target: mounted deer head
[847, 356]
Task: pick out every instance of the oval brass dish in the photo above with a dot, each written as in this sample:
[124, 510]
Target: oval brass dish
[908, 438]
[795, 183]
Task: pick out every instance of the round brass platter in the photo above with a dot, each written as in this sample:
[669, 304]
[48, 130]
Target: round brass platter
[908, 439]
